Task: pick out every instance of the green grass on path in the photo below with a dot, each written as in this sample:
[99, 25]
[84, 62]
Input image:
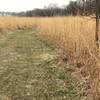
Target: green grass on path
[29, 70]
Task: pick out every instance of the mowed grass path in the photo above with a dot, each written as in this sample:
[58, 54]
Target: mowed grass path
[29, 70]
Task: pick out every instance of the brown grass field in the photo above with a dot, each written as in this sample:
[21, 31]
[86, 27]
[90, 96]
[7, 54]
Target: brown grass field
[73, 38]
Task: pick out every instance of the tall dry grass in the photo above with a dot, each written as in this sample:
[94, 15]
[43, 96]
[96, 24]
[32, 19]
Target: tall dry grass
[74, 39]
[13, 23]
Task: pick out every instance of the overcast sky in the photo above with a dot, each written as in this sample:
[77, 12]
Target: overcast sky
[23, 5]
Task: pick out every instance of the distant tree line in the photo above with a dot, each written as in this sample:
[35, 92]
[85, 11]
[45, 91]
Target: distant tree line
[50, 10]
[78, 7]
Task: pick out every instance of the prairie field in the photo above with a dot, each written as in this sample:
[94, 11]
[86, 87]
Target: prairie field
[73, 38]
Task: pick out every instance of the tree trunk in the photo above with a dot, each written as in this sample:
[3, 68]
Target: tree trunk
[97, 24]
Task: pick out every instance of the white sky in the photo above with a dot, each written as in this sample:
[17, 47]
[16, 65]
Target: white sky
[23, 5]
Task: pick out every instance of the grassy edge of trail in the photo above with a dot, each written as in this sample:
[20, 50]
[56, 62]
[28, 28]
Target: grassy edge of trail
[29, 70]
